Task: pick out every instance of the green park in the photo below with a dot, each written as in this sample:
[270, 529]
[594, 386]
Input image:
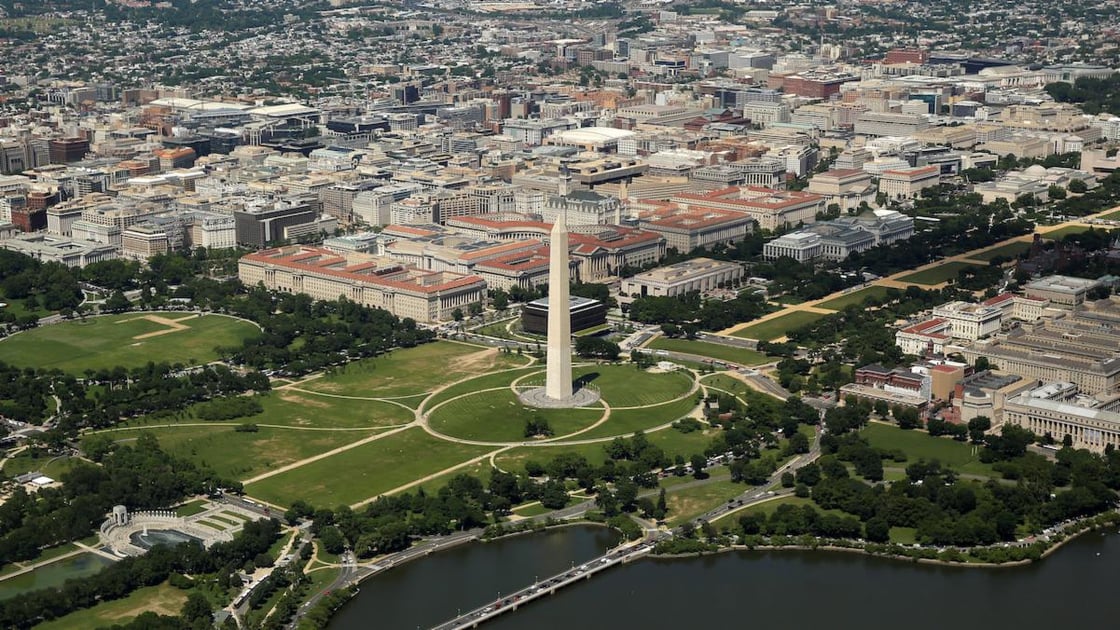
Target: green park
[419, 416]
[127, 340]
[777, 327]
[937, 274]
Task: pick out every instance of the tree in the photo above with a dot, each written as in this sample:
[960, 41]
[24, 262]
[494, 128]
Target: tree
[977, 427]
[798, 443]
[787, 480]
[117, 302]
[332, 539]
[475, 309]
[457, 314]
[698, 462]
[598, 348]
[877, 529]
[553, 495]
[197, 608]
[662, 506]
[1078, 186]
[500, 300]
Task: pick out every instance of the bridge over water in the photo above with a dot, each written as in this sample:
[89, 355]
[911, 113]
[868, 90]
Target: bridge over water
[548, 586]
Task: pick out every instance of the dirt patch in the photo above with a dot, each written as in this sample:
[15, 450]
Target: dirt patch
[475, 362]
[162, 602]
[173, 325]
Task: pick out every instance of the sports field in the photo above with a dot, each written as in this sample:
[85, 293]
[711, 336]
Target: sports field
[128, 340]
[779, 326]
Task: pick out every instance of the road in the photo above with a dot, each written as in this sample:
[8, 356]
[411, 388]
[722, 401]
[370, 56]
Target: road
[761, 493]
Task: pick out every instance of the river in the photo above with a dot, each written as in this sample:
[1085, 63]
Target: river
[1073, 588]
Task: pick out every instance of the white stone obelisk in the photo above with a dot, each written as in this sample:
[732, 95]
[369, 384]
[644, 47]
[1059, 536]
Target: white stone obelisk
[558, 382]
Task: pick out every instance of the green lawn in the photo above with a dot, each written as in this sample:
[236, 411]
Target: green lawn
[242, 455]
[365, 471]
[162, 599]
[627, 421]
[412, 371]
[532, 509]
[904, 535]
[920, 445]
[1065, 231]
[106, 342]
[855, 298]
[1009, 250]
[499, 329]
[498, 416]
[1111, 216]
[300, 409]
[197, 506]
[489, 381]
[936, 275]
[686, 445]
[717, 351]
[19, 307]
[479, 470]
[688, 503]
[627, 386]
[779, 326]
[768, 507]
[49, 465]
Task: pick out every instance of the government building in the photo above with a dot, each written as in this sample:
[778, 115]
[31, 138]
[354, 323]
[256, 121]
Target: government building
[425, 296]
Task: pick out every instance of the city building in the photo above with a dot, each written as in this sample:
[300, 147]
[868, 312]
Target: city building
[425, 296]
[701, 275]
[839, 238]
[770, 209]
[846, 188]
[901, 387]
[52, 248]
[262, 223]
[1060, 290]
[583, 313]
[1057, 410]
[908, 183]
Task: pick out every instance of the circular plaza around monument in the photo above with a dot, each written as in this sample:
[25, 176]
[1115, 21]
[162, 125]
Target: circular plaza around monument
[497, 412]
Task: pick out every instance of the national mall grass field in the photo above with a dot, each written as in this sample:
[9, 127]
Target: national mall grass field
[129, 340]
[415, 416]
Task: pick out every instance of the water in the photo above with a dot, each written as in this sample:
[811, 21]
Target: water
[154, 537]
[429, 591]
[1073, 588]
[53, 574]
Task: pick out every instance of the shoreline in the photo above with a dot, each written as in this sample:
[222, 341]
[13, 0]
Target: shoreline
[978, 564]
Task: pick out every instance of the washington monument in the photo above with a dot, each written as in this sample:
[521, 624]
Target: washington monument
[558, 383]
[558, 391]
